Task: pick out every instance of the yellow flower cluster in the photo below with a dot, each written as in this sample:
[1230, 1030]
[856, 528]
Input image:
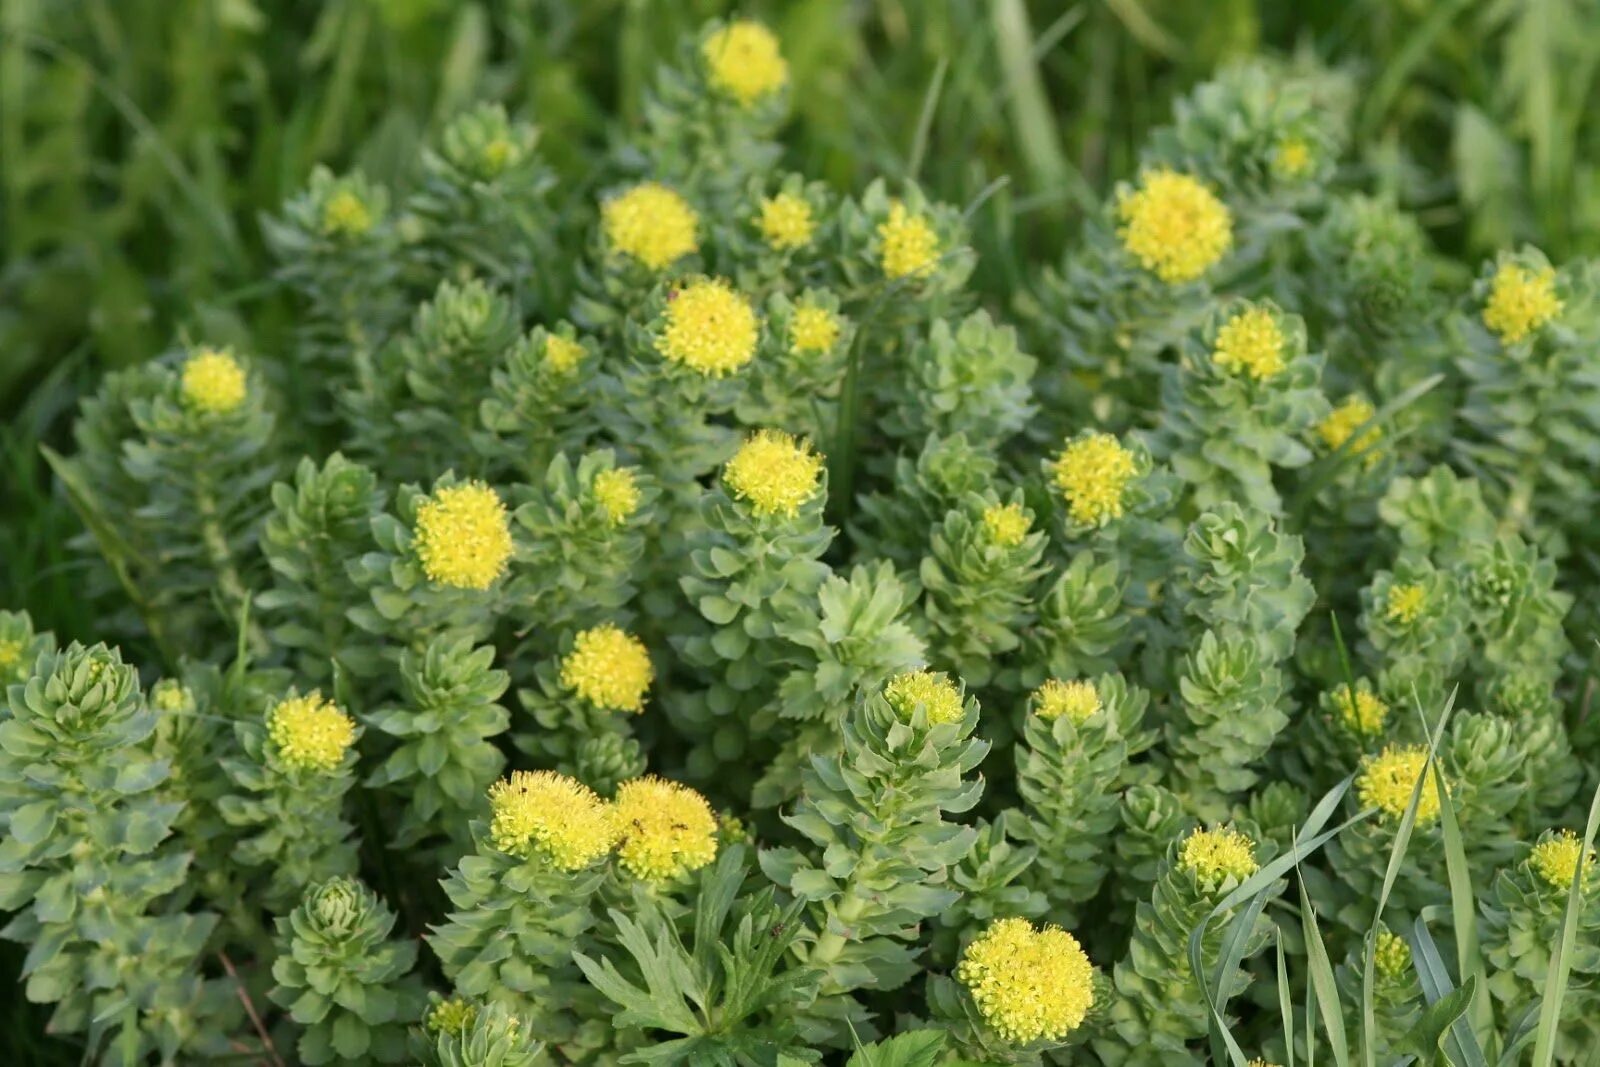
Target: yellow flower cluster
[773, 473]
[1251, 343]
[1028, 984]
[1391, 956]
[931, 690]
[1077, 700]
[617, 493]
[556, 816]
[345, 215]
[667, 829]
[710, 327]
[212, 382]
[1214, 856]
[10, 657]
[1006, 524]
[743, 61]
[1343, 421]
[562, 354]
[651, 224]
[310, 733]
[1360, 711]
[454, 1016]
[1521, 301]
[1386, 782]
[463, 536]
[1093, 473]
[908, 244]
[786, 222]
[813, 329]
[1173, 226]
[1405, 602]
[1556, 859]
[609, 668]
[1291, 158]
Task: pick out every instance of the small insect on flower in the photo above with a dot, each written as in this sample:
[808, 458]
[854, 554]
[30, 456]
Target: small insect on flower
[1360, 711]
[667, 829]
[454, 1016]
[310, 733]
[813, 329]
[617, 493]
[212, 382]
[562, 354]
[709, 327]
[1339, 425]
[651, 224]
[463, 536]
[1387, 780]
[1093, 472]
[1292, 159]
[908, 244]
[932, 691]
[743, 60]
[1521, 301]
[1077, 700]
[345, 214]
[1405, 603]
[786, 222]
[1555, 858]
[1391, 956]
[1028, 984]
[551, 815]
[1173, 226]
[1007, 525]
[1251, 343]
[773, 473]
[608, 668]
[1218, 856]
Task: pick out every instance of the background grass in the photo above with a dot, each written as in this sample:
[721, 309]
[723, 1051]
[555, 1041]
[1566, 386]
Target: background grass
[140, 140]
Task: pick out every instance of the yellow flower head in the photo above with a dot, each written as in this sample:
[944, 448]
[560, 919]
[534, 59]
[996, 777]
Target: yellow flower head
[743, 60]
[1360, 712]
[463, 536]
[786, 222]
[212, 382]
[169, 695]
[1006, 524]
[773, 473]
[562, 354]
[1387, 780]
[1093, 473]
[1556, 859]
[909, 245]
[710, 327]
[345, 215]
[652, 224]
[1214, 856]
[1521, 300]
[10, 656]
[310, 733]
[813, 329]
[1251, 343]
[1405, 602]
[1291, 158]
[551, 814]
[609, 668]
[454, 1016]
[1341, 423]
[667, 829]
[1174, 226]
[930, 690]
[1028, 984]
[617, 493]
[1391, 956]
[1077, 700]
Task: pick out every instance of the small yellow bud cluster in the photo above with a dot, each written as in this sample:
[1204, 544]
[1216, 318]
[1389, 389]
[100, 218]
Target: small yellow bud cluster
[1556, 859]
[773, 473]
[212, 382]
[743, 60]
[1360, 711]
[931, 690]
[1173, 226]
[650, 224]
[562, 354]
[710, 327]
[454, 1016]
[1215, 856]
[1521, 301]
[550, 814]
[1343, 421]
[908, 244]
[1386, 782]
[786, 222]
[1405, 602]
[1391, 956]
[813, 329]
[1251, 343]
[608, 668]
[1028, 984]
[1077, 700]
[345, 214]
[310, 733]
[1093, 473]
[667, 829]
[1007, 525]
[617, 493]
[1292, 159]
[463, 536]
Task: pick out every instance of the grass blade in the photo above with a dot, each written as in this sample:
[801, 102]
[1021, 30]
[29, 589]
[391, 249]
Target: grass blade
[1555, 978]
